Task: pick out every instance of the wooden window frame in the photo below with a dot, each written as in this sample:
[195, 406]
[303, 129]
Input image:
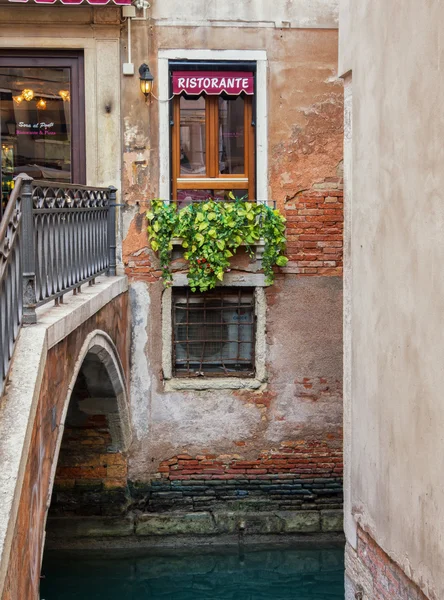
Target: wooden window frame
[213, 179]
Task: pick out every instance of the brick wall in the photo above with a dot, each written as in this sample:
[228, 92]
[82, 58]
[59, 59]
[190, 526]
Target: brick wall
[385, 579]
[314, 235]
[314, 230]
[299, 476]
[89, 478]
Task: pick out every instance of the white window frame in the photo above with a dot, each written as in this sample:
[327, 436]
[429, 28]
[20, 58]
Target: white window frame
[260, 57]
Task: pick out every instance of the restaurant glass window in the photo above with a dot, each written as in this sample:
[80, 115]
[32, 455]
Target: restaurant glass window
[212, 135]
[39, 130]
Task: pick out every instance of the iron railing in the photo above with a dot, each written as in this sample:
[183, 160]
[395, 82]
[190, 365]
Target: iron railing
[11, 294]
[54, 237]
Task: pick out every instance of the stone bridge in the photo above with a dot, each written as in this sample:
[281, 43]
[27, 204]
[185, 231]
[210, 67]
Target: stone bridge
[64, 358]
[73, 364]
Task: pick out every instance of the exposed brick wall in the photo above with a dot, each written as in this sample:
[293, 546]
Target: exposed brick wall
[303, 475]
[389, 581]
[315, 230]
[300, 476]
[315, 225]
[89, 478]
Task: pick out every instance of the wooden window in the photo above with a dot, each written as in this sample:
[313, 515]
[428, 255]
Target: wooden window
[213, 147]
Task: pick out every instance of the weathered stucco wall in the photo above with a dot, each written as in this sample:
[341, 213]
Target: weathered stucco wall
[396, 289]
[223, 434]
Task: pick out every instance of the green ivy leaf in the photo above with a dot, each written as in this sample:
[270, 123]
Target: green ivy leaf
[281, 261]
[232, 224]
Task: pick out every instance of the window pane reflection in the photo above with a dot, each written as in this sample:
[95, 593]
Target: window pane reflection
[192, 136]
[231, 135]
[185, 197]
[35, 117]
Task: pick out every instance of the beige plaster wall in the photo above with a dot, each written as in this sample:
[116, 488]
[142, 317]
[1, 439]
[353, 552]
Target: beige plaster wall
[304, 95]
[260, 13]
[394, 223]
[304, 144]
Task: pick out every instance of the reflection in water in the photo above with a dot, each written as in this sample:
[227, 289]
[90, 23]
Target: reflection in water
[303, 573]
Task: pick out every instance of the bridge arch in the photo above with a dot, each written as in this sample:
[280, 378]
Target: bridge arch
[97, 389]
[76, 355]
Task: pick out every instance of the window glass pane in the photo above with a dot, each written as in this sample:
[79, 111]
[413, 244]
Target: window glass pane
[223, 195]
[231, 135]
[192, 136]
[214, 332]
[185, 197]
[35, 117]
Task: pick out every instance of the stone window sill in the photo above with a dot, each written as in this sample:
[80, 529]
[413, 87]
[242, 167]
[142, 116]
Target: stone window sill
[213, 383]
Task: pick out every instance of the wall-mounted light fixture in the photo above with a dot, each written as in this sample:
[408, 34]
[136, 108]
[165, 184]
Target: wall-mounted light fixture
[146, 80]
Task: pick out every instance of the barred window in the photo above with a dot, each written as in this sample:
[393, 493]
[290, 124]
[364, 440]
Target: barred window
[214, 332]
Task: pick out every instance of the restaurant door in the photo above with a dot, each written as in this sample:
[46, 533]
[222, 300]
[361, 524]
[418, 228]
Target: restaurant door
[42, 118]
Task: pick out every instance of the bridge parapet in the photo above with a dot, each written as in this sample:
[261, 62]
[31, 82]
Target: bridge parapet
[88, 330]
[54, 237]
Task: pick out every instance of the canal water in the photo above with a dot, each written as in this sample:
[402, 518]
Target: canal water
[279, 573]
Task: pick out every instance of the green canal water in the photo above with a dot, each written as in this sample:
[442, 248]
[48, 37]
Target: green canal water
[279, 573]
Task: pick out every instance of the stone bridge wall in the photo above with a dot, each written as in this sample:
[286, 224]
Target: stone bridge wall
[60, 368]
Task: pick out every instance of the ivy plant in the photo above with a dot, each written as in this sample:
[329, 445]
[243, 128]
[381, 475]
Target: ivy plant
[211, 232]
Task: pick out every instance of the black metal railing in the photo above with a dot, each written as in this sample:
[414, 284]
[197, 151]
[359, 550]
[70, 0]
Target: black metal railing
[54, 237]
[11, 294]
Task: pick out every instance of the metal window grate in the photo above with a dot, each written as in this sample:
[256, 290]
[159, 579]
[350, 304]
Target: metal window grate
[214, 332]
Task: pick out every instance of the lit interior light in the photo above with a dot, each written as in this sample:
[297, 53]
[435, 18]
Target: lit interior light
[65, 95]
[41, 104]
[18, 99]
[28, 94]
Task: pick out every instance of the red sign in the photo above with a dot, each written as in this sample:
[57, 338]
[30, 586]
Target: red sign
[213, 83]
[93, 2]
